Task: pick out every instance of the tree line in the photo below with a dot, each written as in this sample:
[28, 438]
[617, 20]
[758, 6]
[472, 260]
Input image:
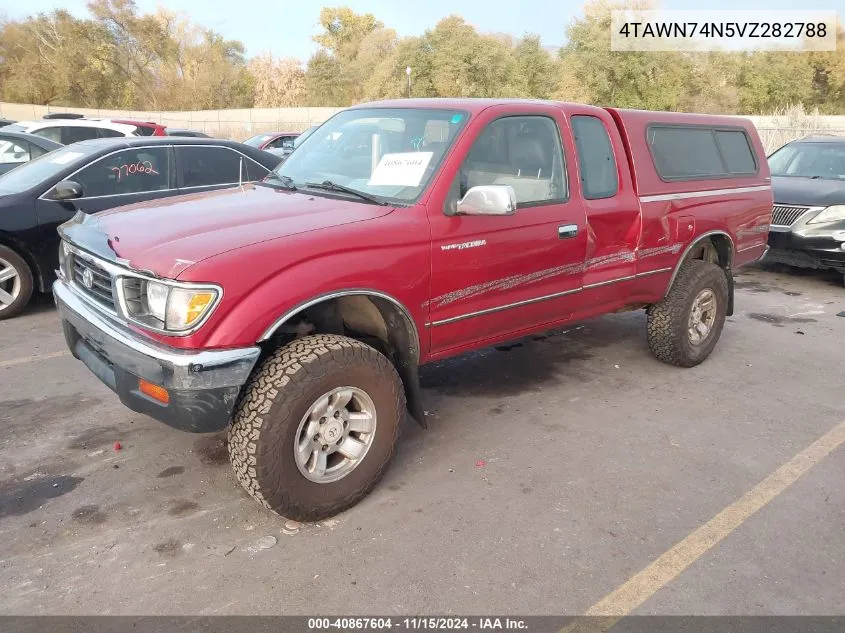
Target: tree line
[120, 58]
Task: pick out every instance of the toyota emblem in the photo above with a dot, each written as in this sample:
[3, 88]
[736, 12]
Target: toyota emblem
[88, 278]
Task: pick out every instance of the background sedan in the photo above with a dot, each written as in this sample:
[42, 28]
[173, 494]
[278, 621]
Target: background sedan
[96, 175]
[17, 148]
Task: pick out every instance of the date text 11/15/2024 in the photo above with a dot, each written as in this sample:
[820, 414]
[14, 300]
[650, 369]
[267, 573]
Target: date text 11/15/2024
[416, 623]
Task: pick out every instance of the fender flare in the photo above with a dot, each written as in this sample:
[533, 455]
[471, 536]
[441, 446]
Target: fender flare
[728, 268]
[336, 295]
[408, 368]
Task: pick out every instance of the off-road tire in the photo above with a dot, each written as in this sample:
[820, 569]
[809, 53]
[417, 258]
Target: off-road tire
[275, 400]
[668, 319]
[26, 281]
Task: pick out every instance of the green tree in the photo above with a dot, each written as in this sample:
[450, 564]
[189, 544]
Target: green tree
[592, 72]
[535, 72]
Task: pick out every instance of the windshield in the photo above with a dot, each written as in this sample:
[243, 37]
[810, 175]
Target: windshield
[809, 160]
[298, 140]
[388, 154]
[258, 140]
[40, 169]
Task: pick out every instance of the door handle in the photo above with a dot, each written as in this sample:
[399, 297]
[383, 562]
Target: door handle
[566, 231]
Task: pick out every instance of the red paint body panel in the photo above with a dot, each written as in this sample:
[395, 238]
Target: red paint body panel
[273, 250]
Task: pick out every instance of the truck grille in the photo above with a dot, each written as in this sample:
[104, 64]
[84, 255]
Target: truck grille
[784, 215]
[99, 287]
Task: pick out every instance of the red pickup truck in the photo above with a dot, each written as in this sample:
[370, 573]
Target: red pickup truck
[296, 312]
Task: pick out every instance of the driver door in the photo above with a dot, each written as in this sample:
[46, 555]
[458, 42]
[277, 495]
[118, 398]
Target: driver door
[496, 276]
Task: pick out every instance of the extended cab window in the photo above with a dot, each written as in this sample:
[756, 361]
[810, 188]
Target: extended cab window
[693, 152]
[130, 171]
[207, 166]
[599, 178]
[521, 151]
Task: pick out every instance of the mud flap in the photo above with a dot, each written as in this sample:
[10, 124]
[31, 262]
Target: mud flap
[413, 393]
[730, 277]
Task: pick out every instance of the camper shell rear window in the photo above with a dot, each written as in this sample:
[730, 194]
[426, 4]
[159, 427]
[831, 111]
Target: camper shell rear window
[700, 152]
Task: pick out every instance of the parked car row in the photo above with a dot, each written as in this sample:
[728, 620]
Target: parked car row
[393, 235]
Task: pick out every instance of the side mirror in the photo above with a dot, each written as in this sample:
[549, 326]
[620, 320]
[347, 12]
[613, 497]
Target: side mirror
[488, 200]
[67, 190]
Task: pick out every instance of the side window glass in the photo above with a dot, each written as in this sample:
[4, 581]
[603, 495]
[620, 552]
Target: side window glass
[16, 152]
[35, 151]
[107, 133]
[521, 151]
[206, 166]
[253, 171]
[71, 134]
[597, 165]
[130, 171]
[52, 133]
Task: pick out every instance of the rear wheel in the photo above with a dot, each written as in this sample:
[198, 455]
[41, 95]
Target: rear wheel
[685, 326]
[15, 283]
[317, 426]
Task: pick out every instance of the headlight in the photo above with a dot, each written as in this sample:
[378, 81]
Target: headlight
[831, 214]
[166, 307]
[156, 303]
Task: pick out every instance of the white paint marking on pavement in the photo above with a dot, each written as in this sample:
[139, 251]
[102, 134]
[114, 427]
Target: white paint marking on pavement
[32, 359]
[640, 587]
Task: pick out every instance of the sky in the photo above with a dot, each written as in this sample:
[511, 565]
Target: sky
[285, 27]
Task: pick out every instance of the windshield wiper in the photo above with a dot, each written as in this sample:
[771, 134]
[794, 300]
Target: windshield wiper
[328, 185]
[287, 181]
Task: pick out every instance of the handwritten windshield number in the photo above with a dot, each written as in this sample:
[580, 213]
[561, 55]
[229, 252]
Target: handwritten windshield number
[141, 167]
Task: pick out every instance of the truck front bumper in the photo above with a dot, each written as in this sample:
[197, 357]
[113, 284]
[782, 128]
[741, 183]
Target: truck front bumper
[202, 386]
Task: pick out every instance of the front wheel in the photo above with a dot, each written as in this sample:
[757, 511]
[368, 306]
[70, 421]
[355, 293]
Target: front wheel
[684, 327]
[317, 426]
[16, 283]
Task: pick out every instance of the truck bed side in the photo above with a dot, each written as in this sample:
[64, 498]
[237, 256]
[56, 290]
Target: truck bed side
[679, 208]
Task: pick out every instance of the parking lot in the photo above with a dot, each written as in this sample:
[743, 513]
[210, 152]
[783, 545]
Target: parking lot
[555, 468]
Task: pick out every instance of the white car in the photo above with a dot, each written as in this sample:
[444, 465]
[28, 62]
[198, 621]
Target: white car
[71, 130]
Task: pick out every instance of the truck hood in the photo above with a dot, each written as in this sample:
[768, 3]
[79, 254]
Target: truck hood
[166, 236]
[808, 192]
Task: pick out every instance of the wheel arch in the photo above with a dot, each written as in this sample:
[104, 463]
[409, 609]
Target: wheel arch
[716, 243]
[371, 316]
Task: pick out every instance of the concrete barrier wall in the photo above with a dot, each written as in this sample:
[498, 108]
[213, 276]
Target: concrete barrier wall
[237, 124]
[242, 123]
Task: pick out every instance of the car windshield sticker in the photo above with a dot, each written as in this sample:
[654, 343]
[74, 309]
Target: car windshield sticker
[457, 118]
[405, 169]
[64, 159]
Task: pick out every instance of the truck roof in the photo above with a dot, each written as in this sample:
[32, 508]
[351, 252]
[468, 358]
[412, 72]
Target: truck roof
[473, 105]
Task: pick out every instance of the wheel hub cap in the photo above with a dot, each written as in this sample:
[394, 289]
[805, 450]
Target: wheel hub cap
[335, 434]
[702, 316]
[332, 432]
[10, 284]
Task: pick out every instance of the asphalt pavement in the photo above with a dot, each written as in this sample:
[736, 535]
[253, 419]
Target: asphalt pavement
[555, 469]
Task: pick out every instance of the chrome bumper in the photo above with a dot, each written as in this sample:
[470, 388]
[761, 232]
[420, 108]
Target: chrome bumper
[203, 386]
